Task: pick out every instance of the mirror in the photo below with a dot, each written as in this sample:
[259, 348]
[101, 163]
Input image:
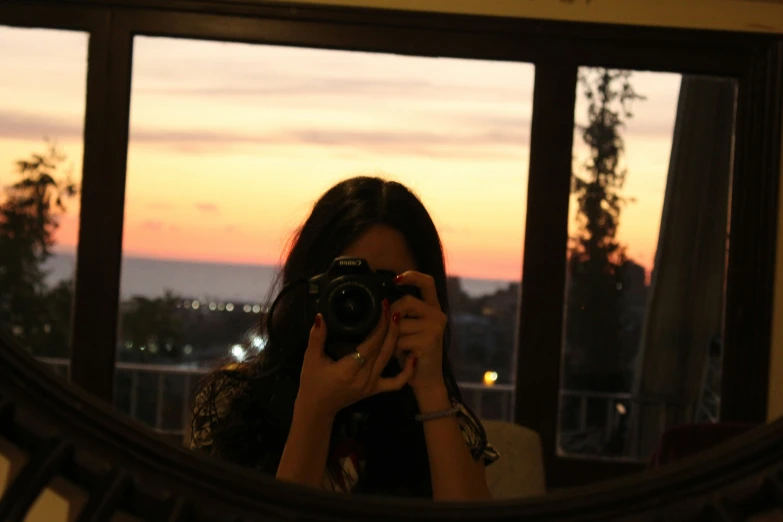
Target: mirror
[214, 195]
[642, 359]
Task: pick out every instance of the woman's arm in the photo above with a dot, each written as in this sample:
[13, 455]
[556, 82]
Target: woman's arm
[455, 474]
[306, 449]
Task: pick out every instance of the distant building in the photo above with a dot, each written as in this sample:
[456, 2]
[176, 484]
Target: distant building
[483, 333]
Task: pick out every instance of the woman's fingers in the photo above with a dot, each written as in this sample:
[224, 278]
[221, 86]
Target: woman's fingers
[409, 306]
[408, 326]
[425, 283]
[387, 349]
[408, 344]
[398, 381]
[315, 345]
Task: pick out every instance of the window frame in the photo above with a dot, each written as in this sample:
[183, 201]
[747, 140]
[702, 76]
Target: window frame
[556, 49]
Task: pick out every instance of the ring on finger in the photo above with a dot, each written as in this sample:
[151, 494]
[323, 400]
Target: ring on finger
[359, 358]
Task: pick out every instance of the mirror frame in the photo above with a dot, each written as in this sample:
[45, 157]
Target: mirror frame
[556, 49]
[68, 432]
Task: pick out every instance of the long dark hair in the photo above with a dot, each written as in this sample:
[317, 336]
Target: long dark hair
[254, 428]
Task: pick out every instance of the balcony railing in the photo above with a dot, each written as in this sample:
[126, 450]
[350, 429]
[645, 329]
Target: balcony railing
[474, 394]
[160, 396]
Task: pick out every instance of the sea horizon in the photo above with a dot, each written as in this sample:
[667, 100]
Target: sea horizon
[210, 281]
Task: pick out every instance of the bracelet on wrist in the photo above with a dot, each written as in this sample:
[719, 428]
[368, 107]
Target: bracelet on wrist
[424, 417]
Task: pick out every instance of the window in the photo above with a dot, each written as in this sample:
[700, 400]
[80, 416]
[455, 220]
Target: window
[42, 104]
[177, 135]
[229, 146]
[646, 260]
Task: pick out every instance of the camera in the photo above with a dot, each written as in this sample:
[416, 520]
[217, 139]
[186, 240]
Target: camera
[349, 296]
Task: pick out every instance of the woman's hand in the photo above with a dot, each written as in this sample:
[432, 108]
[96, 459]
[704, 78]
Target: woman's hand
[327, 386]
[421, 327]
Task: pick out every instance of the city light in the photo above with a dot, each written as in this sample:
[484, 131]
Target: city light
[216, 306]
[621, 408]
[490, 378]
[258, 342]
[187, 350]
[238, 352]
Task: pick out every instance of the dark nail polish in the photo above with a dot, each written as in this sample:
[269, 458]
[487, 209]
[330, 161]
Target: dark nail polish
[396, 317]
[317, 321]
[397, 279]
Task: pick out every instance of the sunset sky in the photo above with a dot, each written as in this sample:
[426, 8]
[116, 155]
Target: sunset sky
[231, 143]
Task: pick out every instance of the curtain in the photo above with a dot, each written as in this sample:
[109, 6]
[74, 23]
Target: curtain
[685, 307]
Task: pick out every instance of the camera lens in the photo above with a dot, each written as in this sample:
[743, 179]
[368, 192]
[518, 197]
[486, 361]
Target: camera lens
[351, 305]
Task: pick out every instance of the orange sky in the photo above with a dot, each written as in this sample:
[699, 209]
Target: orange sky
[231, 143]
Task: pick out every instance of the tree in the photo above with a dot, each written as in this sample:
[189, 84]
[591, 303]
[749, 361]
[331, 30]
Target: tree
[29, 217]
[596, 321]
[152, 328]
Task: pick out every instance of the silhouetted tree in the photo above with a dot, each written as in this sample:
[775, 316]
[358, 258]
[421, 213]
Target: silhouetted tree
[29, 217]
[596, 322]
[152, 328]
[54, 339]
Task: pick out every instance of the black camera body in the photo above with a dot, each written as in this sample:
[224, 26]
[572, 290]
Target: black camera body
[350, 297]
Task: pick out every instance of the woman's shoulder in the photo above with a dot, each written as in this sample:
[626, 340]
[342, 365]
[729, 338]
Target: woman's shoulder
[213, 402]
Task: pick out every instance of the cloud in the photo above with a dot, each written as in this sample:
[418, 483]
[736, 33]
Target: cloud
[270, 90]
[406, 140]
[508, 140]
[463, 135]
[369, 141]
[207, 208]
[153, 226]
[30, 126]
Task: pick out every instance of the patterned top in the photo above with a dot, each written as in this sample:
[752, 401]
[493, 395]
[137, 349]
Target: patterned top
[347, 454]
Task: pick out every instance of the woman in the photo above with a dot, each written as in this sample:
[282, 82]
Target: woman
[388, 420]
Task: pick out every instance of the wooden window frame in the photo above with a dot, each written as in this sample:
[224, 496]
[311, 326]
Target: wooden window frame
[556, 49]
